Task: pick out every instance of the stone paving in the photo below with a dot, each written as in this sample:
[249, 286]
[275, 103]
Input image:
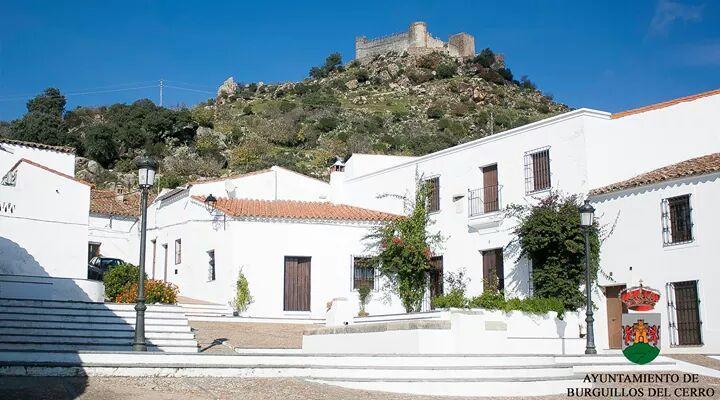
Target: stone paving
[226, 388]
[222, 337]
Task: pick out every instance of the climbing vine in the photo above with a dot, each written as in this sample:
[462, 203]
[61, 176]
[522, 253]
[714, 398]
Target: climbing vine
[550, 236]
[404, 248]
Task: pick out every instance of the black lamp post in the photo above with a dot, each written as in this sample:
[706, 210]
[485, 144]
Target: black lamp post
[210, 202]
[146, 177]
[586, 222]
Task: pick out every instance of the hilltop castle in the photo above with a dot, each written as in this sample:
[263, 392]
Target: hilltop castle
[417, 40]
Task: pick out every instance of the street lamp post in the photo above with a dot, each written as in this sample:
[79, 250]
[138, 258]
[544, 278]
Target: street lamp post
[586, 222]
[146, 177]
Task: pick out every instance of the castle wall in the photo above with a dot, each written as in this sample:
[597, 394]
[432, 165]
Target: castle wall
[417, 40]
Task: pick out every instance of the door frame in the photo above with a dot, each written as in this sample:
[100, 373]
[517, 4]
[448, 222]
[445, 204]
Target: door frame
[623, 310]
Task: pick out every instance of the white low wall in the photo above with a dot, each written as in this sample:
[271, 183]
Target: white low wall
[454, 332]
[49, 288]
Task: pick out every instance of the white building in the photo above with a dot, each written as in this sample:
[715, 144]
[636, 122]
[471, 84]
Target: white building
[665, 233]
[43, 224]
[296, 254]
[114, 224]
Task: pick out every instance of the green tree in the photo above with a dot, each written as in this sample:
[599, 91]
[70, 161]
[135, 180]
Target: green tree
[51, 102]
[100, 144]
[43, 123]
[404, 248]
[550, 236]
[486, 58]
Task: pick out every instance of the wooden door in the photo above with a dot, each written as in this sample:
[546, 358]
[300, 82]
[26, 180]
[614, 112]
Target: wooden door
[493, 265]
[490, 189]
[436, 276]
[297, 284]
[688, 313]
[615, 309]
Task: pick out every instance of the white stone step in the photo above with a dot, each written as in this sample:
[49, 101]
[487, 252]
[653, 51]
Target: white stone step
[220, 307]
[119, 333]
[119, 326]
[74, 348]
[122, 312]
[46, 339]
[126, 318]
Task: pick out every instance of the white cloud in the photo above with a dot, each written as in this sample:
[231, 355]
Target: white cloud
[668, 12]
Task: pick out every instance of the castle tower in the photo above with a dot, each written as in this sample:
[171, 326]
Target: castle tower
[417, 35]
[463, 43]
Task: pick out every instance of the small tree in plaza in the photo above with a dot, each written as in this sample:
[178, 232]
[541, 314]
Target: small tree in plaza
[404, 249]
[550, 236]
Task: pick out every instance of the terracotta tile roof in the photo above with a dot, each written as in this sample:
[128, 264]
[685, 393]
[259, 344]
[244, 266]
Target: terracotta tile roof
[33, 163]
[665, 104]
[108, 202]
[289, 209]
[61, 149]
[693, 167]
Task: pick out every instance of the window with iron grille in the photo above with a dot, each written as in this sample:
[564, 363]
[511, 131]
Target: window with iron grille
[537, 170]
[211, 265]
[364, 272]
[178, 251]
[433, 194]
[677, 220]
[684, 314]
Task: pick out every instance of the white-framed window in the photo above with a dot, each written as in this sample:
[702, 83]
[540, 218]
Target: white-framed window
[537, 170]
[178, 251]
[364, 271]
[677, 226]
[433, 198]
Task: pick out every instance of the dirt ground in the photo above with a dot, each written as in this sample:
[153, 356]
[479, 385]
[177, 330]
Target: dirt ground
[225, 388]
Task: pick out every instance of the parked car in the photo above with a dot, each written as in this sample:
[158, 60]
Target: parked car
[98, 266]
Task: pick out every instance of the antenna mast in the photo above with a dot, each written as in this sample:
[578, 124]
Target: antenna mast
[161, 92]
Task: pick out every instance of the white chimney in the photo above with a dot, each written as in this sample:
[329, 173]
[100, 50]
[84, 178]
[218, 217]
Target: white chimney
[337, 178]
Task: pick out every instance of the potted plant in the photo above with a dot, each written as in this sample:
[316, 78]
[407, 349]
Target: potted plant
[364, 296]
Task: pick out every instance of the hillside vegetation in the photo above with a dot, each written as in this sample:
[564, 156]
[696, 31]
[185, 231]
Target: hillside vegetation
[394, 104]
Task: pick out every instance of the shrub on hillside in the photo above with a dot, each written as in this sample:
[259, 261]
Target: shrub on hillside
[118, 278]
[156, 291]
[362, 75]
[435, 112]
[446, 70]
[486, 58]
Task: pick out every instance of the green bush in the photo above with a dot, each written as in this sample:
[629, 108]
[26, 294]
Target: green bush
[506, 73]
[446, 70]
[362, 75]
[327, 124]
[156, 291]
[453, 299]
[118, 278]
[486, 58]
[489, 300]
[435, 112]
[243, 298]
[364, 296]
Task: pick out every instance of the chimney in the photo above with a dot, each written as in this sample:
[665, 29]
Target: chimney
[337, 178]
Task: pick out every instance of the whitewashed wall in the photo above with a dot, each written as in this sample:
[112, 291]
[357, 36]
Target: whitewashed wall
[635, 251]
[276, 184]
[259, 248]
[119, 237]
[45, 232]
[59, 161]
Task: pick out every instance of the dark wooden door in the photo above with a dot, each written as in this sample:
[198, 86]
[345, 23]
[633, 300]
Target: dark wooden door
[297, 284]
[490, 189]
[436, 276]
[493, 269]
[688, 313]
[615, 309]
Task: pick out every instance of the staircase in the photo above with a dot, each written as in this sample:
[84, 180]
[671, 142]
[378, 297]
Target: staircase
[51, 325]
[437, 374]
[205, 311]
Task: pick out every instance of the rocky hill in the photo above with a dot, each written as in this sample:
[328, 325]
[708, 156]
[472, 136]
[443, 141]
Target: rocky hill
[391, 104]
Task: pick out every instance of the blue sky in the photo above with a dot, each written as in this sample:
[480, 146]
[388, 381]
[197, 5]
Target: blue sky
[602, 54]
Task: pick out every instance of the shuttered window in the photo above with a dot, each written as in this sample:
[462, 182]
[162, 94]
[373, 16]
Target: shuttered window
[493, 270]
[433, 194]
[211, 265]
[178, 251]
[677, 220]
[537, 170]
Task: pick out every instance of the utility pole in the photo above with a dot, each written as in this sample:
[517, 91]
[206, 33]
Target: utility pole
[161, 92]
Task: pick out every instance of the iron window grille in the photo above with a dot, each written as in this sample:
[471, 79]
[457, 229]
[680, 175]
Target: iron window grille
[433, 199]
[211, 265]
[364, 272]
[684, 322]
[537, 170]
[677, 223]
